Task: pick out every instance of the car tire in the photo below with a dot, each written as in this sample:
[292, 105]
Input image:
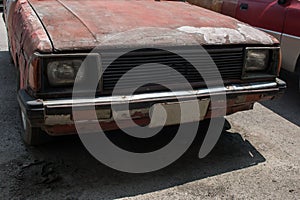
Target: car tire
[32, 136]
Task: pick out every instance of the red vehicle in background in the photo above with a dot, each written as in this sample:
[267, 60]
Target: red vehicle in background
[280, 18]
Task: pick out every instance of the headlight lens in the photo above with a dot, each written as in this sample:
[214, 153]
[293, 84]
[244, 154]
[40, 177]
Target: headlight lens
[64, 72]
[257, 60]
[63, 69]
[261, 62]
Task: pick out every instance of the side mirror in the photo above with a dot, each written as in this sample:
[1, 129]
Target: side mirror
[282, 2]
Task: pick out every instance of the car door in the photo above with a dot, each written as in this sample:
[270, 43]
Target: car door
[292, 24]
[290, 41]
[264, 14]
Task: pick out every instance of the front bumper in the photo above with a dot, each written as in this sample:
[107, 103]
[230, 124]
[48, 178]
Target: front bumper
[55, 116]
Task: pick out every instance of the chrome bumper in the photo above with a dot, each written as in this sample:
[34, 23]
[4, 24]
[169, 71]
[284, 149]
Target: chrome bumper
[59, 111]
[163, 96]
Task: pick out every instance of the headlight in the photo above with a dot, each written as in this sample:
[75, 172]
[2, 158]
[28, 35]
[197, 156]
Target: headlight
[261, 62]
[64, 72]
[256, 60]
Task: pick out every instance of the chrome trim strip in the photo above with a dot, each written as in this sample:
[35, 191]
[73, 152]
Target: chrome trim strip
[65, 55]
[158, 96]
[278, 33]
[269, 31]
[263, 48]
[291, 36]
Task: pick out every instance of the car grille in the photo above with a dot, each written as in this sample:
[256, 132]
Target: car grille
[229, 62]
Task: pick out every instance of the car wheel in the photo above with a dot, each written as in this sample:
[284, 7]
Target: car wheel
[32, 135]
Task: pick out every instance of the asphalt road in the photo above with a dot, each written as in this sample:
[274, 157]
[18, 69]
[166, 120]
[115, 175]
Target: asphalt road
[258, 158]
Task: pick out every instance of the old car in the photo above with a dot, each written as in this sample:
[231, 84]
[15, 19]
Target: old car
[48, 38]
[279, 18]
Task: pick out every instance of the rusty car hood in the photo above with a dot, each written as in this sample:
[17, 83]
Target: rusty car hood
[78, 25]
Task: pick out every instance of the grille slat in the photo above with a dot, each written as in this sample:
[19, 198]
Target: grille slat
[115, 79]
[175, 59]
[229, 62]
[112, 76]
[121, 66]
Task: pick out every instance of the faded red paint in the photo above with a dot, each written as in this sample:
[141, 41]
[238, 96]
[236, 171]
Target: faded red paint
[77, 25]
[26, 35]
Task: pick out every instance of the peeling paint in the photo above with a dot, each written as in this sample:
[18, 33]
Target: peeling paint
[216, 35]
[242, 34]
[251, 33]
[58, 120]
[147, 36]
